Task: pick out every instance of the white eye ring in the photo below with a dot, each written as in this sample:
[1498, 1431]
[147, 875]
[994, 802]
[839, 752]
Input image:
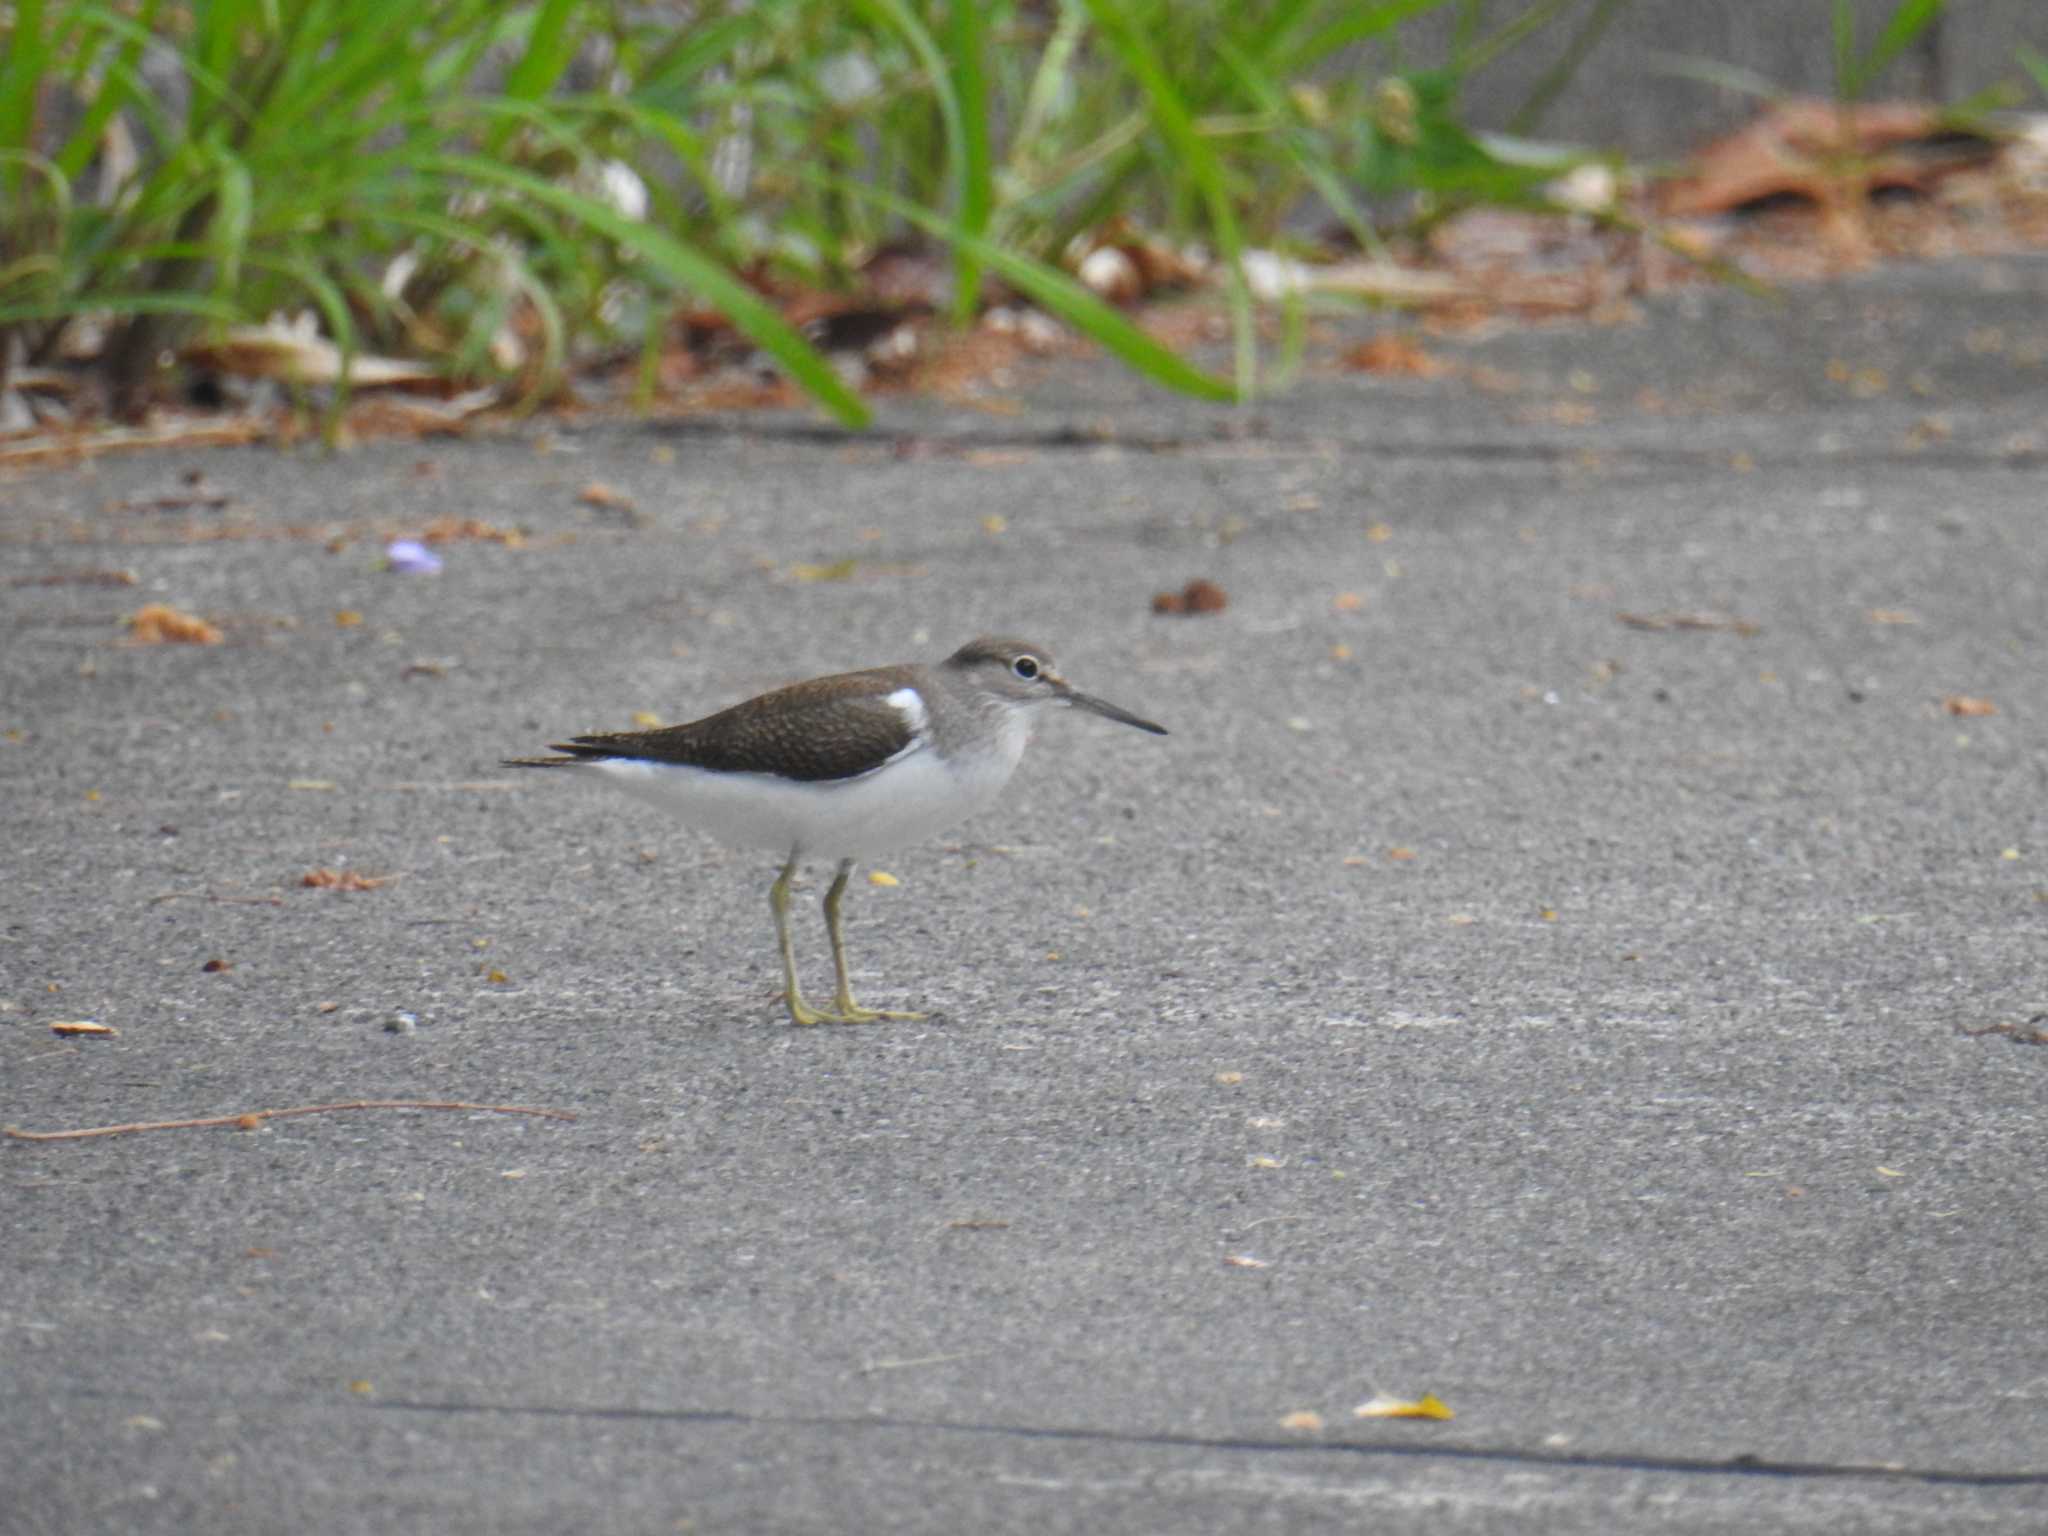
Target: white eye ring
[1026, 667]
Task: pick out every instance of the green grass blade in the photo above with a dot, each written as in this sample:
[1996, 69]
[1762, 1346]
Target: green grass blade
[1356, 26]
[977, 172]
[1843, 36]
[118, 303]
[228, 236]
[550, 47]
[897, 15]
[22, 66]
[2035, 64]
[1908, 21]
[118, 87]
[1058, 294]
[676, 262]
[1177, 126]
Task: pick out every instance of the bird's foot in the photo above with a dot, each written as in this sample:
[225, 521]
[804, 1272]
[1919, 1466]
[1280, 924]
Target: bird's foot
[847, 1011]
[851, 1012]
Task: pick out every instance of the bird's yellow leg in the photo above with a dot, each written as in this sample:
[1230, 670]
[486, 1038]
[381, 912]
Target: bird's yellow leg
[792, 994]
[850, 1012]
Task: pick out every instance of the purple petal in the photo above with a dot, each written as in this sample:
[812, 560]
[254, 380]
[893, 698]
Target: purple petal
[412, 556]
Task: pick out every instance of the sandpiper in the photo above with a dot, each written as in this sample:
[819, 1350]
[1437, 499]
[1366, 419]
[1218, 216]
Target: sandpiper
[842, 768]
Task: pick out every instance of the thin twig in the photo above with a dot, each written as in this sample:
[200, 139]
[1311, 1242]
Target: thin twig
[251, 901]
[255, 1117]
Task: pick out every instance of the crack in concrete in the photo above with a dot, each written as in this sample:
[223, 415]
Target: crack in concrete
[1256, 441]
[1562, 1460]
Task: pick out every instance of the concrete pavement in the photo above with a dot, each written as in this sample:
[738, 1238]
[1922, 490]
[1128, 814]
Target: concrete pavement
[1572, 957]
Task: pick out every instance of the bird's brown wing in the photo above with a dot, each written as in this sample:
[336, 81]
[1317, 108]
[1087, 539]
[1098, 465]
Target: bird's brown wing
[810, 732]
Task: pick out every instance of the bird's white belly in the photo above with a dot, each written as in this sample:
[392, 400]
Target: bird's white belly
[904, 801]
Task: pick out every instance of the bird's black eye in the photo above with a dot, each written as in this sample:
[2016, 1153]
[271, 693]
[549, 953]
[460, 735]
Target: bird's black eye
[1026, 667]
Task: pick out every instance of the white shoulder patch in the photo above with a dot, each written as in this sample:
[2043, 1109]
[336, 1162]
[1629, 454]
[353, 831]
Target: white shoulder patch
[909, 703]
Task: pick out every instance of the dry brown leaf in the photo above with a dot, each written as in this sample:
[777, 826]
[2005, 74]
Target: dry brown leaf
[1304, 1420]
[1245, 1261]
[1831, 153]
[449, 530]
[83, 1027]
[1967, 706]
[161, 624]
[1392, 352]
[300, 356]
[342, 880]
[1198, 596]
[598, 494]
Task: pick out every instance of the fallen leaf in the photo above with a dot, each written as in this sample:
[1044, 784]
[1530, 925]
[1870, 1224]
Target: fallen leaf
[1198, 596]
[1968, 706]
[598, 494]
[1833, 154]
[347, 618]
[342, 880]
[161, 624]
[1229, 1079]
[218, 966]
[1304, 1420]
[1892, 616]
[882, 878]
[450, 530]
[82, 1027]
[1427, 1406]
[1245, 1261]
[1392, 352]
[838, 570]
[1347, 602]
[646, 719]
[300, 355]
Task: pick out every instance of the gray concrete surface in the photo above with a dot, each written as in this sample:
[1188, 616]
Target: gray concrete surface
[1689, 55]
[1653, 1114]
